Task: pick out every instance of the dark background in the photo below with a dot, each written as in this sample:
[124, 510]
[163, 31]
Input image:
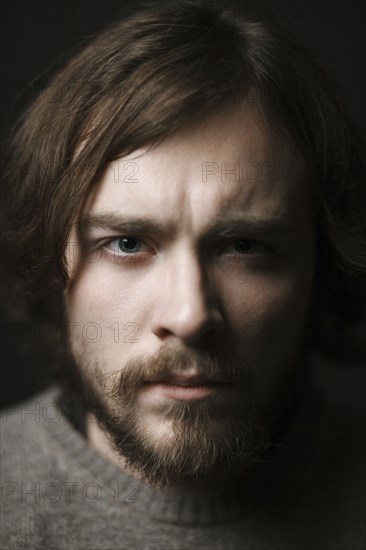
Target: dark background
[36, 36]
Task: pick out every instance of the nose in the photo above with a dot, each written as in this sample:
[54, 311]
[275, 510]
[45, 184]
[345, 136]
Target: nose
[187, 307]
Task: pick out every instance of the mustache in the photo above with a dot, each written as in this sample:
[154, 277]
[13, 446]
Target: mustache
[172, 361]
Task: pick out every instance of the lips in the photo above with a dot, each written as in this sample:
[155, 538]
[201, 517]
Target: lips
[182, 380]
[187, 387]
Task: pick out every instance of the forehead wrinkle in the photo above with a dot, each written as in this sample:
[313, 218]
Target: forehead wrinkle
[176, 164]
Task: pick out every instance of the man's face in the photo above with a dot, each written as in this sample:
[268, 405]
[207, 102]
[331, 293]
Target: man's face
[188, 295]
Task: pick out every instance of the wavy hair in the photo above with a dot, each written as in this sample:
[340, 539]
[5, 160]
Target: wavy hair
[141, 80]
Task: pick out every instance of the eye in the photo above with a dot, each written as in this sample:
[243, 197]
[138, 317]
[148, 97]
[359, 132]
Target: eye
[125, 248]
[126, 245]
[249, 246]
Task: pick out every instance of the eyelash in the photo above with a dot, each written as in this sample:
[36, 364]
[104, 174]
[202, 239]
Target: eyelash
[123, 257]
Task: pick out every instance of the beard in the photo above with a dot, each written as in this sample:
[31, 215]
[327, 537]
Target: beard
[205, 441]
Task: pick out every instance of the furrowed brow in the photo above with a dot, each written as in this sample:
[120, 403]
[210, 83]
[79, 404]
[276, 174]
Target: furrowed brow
[226, 225]
[122, 224]
[223, 226]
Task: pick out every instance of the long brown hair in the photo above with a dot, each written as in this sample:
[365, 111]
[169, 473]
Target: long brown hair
[144, 78]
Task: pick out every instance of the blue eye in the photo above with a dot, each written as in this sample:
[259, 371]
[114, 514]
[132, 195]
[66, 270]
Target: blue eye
[127, 245]
[126, 249]
[123, 248]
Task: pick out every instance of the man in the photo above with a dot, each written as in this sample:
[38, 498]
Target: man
[183, 183]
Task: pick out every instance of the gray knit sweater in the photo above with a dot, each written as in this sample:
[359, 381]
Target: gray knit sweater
[59, 493]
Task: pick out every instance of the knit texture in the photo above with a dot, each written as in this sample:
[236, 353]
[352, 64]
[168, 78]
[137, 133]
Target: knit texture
[60, 493]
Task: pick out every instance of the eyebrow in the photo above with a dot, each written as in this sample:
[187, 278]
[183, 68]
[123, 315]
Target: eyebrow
[123, 224]
[225, 225]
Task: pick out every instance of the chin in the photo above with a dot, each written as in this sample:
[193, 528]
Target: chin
[189, 448]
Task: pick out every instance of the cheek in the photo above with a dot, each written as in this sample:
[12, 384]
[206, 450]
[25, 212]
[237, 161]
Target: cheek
[269, 312]
[98, 292]
[269, 318]
[106, 312]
